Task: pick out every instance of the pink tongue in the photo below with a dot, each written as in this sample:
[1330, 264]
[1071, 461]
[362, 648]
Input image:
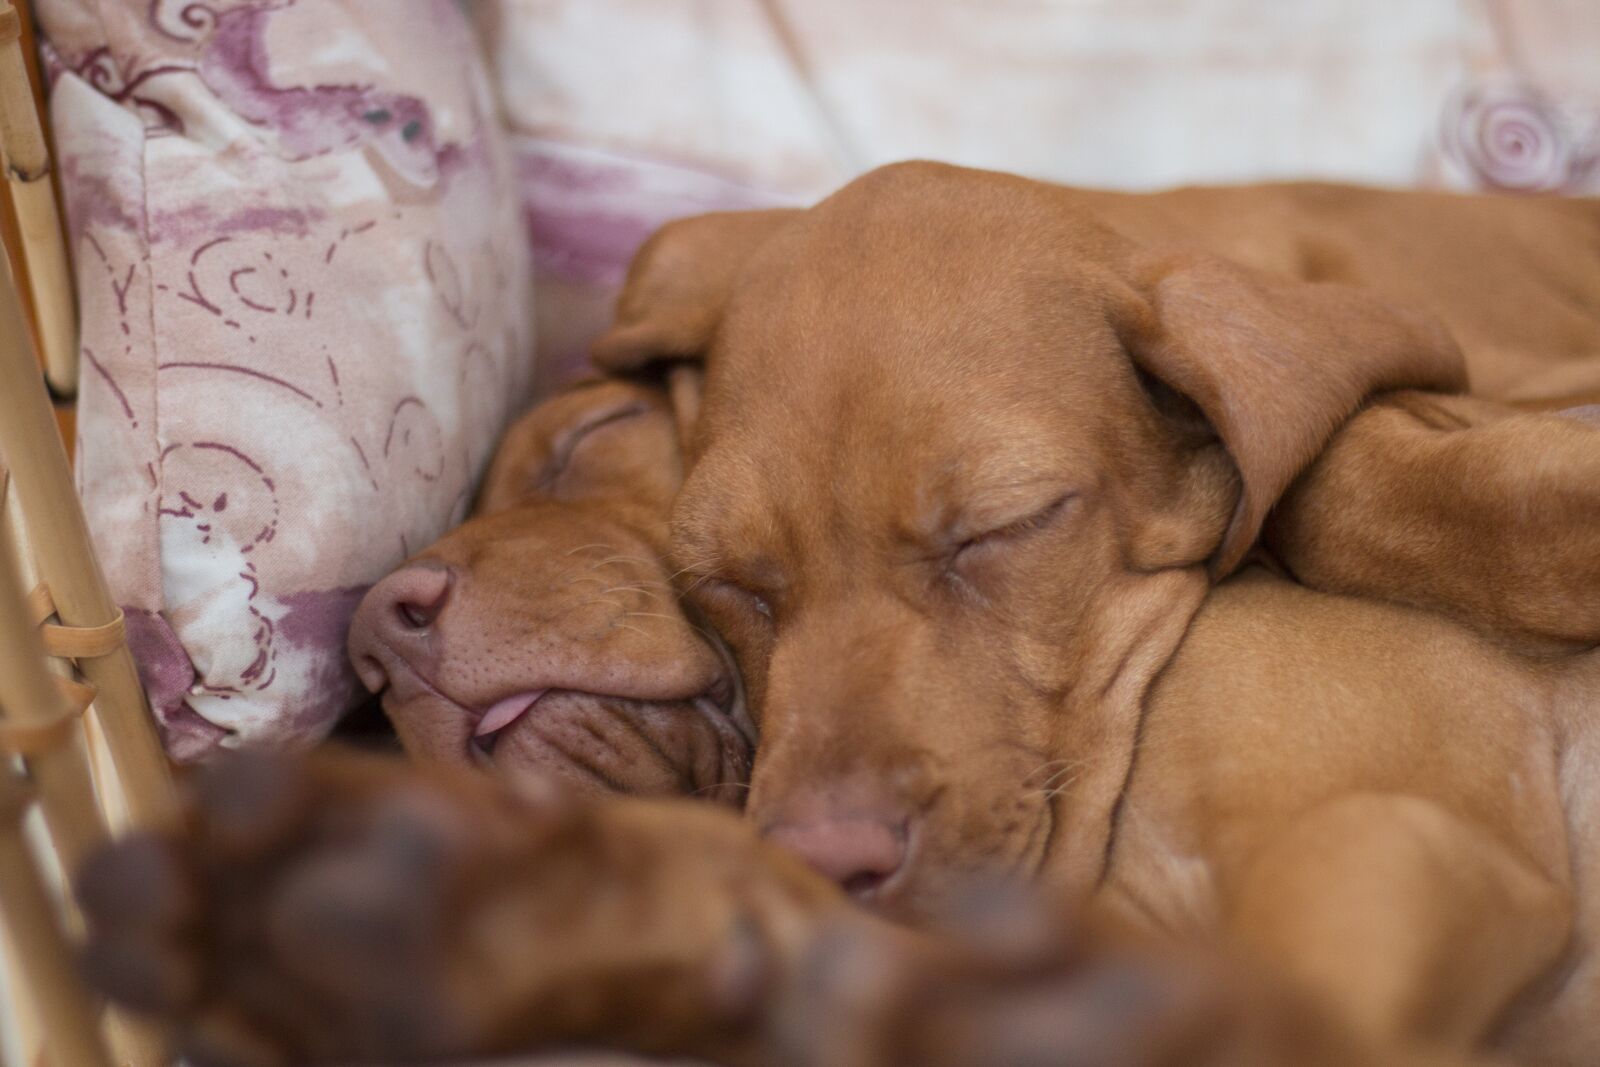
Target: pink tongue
[504, 712]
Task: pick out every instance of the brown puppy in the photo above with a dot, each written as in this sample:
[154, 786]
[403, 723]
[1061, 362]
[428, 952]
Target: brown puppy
[544, 635]
[968, 462]
[973, 452]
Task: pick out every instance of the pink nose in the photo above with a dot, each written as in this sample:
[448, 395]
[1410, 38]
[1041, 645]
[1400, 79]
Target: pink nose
[851, 836]
[396, 617]
[861, 854]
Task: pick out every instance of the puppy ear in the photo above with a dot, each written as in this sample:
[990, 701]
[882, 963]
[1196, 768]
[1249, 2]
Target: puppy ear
[1276, 366]
[677, 286]
[685, 384]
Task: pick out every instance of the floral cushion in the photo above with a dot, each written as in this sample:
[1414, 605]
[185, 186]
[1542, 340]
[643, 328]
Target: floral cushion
[302, 283]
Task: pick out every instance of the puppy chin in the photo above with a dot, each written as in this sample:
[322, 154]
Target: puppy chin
[943, 874]
[432, 728]
[618, 745]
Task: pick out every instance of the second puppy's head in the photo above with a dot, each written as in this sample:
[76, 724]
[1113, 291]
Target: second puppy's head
[544, 633]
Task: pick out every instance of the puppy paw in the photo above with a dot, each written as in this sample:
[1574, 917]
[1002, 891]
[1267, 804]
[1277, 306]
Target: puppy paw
[355, 909]
[1011, 983]
[309, 911]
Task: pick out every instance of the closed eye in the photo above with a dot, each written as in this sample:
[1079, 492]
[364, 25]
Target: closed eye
[1017, 529]
[566, 444]
[721, 587]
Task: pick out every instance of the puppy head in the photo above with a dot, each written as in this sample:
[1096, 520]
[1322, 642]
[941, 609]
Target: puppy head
[544, 633]
[966, 464]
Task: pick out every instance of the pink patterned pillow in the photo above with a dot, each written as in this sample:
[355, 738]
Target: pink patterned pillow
[302, 281]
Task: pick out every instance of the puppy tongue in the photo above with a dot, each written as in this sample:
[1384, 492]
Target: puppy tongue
[504, 712]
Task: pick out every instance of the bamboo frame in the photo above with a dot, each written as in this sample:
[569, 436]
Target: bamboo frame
[69, 623]
[44, 960]
[31, 697]
[67, 564]
[42, 237]
[31, 443]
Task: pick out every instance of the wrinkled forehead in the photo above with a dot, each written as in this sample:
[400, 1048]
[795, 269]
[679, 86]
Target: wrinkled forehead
[923, 278]
[888, 372]
[605, 436]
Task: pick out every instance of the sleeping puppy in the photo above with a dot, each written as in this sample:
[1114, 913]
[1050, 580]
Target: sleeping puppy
[974, 449]
[975, 468]
[544, 634]
[978, 460]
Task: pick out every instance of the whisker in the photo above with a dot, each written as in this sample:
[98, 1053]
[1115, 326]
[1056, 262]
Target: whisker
[655, 615]
[585, 548]
[692, 586]
[698, 564]
[1042, 766]
[1053, 786]
[1060, 765]
[711, 638]
[622, 559]
[1077, 766]
[1051, 794]
[720, 785]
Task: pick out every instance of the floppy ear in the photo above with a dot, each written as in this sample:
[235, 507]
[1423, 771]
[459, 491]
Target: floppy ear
[1276, 366]
[677, 285]
[685, 384]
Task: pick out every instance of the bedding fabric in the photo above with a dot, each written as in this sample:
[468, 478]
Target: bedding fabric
[302, 282]
[625, 113]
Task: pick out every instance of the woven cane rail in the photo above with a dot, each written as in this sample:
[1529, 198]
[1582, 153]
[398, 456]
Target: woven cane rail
[64, 660]
[32, 739]
[72, 642]
[28, 178]
[64, 642]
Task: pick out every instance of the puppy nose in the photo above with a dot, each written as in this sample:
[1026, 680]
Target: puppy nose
[394, 616]
[860, 845]
[859, 853]
[412, 597]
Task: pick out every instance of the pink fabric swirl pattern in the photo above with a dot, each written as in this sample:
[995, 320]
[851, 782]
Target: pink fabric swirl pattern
[303, 292]
[1508, 137]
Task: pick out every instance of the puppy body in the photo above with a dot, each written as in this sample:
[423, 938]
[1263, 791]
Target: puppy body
[1515, 279]
[1391, 809]
[1486, 511]
[973, 454]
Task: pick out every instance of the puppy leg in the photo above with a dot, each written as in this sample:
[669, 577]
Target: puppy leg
[1467, 506]
[1090, 992]
[1411, 924]
[354, 909]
